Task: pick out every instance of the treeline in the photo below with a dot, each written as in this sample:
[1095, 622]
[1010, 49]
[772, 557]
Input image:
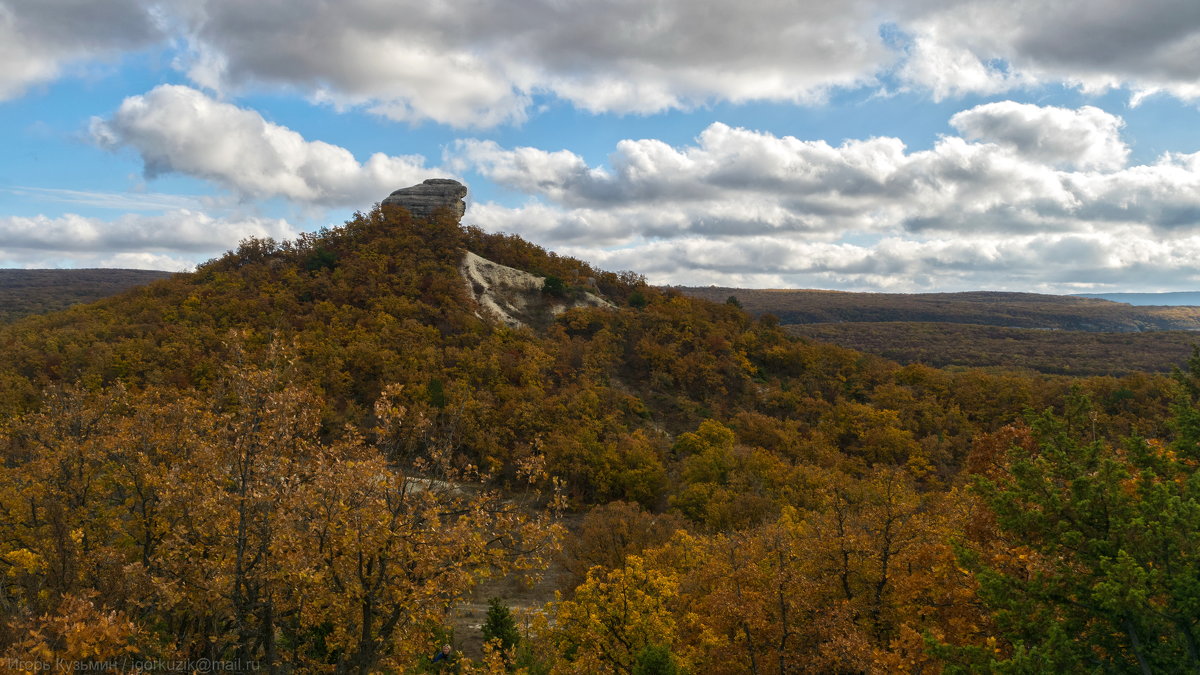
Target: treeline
[306, 452]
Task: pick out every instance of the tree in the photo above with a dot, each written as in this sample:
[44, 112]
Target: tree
[225, 527]
[500, 628]
[655, 660]
[613, 531]
[77, 635]
[1098, 565]
[614, 615]
[554, 287]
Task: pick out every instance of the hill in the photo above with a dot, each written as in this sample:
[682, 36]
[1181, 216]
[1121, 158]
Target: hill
[974, 346]
[305, 455]
[1066, 335]
[26, 292]
[1011, 310]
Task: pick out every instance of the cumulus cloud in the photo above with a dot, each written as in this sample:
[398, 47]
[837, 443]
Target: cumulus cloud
[178, 129]
[1028, 169]
[174, 232]
[726, 162]
[1053, 263]
[948, 70]
[1087, 138]
[989, 46]
[480, 62]
[135, 260]
[477, 63]
[39, 38]
[1009, 206]
[737, 181]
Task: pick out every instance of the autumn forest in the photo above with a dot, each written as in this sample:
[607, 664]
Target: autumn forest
[303, 456]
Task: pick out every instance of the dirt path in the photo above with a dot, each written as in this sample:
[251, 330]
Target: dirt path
[520, 596]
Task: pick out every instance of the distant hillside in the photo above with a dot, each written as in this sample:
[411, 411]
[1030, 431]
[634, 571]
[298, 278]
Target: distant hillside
[1013, 310]
[1191, 298]
[28, 292]
[1045, 351]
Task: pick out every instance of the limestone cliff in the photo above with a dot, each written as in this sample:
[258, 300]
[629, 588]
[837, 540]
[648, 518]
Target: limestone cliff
[514, 297]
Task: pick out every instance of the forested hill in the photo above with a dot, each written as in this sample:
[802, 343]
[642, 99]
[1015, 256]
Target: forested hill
[381, 302]
[1012, 310]
[27, 292]
[305, 455]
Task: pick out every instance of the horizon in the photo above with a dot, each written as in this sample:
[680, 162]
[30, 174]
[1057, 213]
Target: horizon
[985, 145]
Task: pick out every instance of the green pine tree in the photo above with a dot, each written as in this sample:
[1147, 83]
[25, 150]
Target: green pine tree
[501, 626]
[1117, 587]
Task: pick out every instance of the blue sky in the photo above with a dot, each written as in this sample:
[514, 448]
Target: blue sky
[849, 144]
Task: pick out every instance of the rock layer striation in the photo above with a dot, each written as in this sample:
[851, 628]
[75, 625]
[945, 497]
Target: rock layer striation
[423, 200]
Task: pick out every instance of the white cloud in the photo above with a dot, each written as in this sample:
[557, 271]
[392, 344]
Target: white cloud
[136, 260]
[739, 181]
[477, 63]
[727, 162]
[1087, 138]
[1054, 263]
[1042, 194]
[181, 130]
[951, 71]
[38, 38]
[172, 233]
[480, 62]
[989, 46]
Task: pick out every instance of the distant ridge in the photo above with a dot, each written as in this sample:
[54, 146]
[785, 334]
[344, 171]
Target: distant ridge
[1010, 310]
[1175, 298]
[1058, 334]
[28, 292]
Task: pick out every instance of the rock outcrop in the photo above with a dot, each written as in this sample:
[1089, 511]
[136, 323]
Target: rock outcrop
[425, 199]
[505, 294]
[514, 297]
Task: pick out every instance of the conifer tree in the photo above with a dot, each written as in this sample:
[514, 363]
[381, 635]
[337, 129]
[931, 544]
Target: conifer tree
[500, 625]
[1103, 571]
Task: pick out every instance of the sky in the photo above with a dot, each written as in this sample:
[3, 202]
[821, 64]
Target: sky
[871, 145]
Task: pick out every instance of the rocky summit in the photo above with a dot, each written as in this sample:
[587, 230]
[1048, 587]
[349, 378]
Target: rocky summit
[424, 199]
